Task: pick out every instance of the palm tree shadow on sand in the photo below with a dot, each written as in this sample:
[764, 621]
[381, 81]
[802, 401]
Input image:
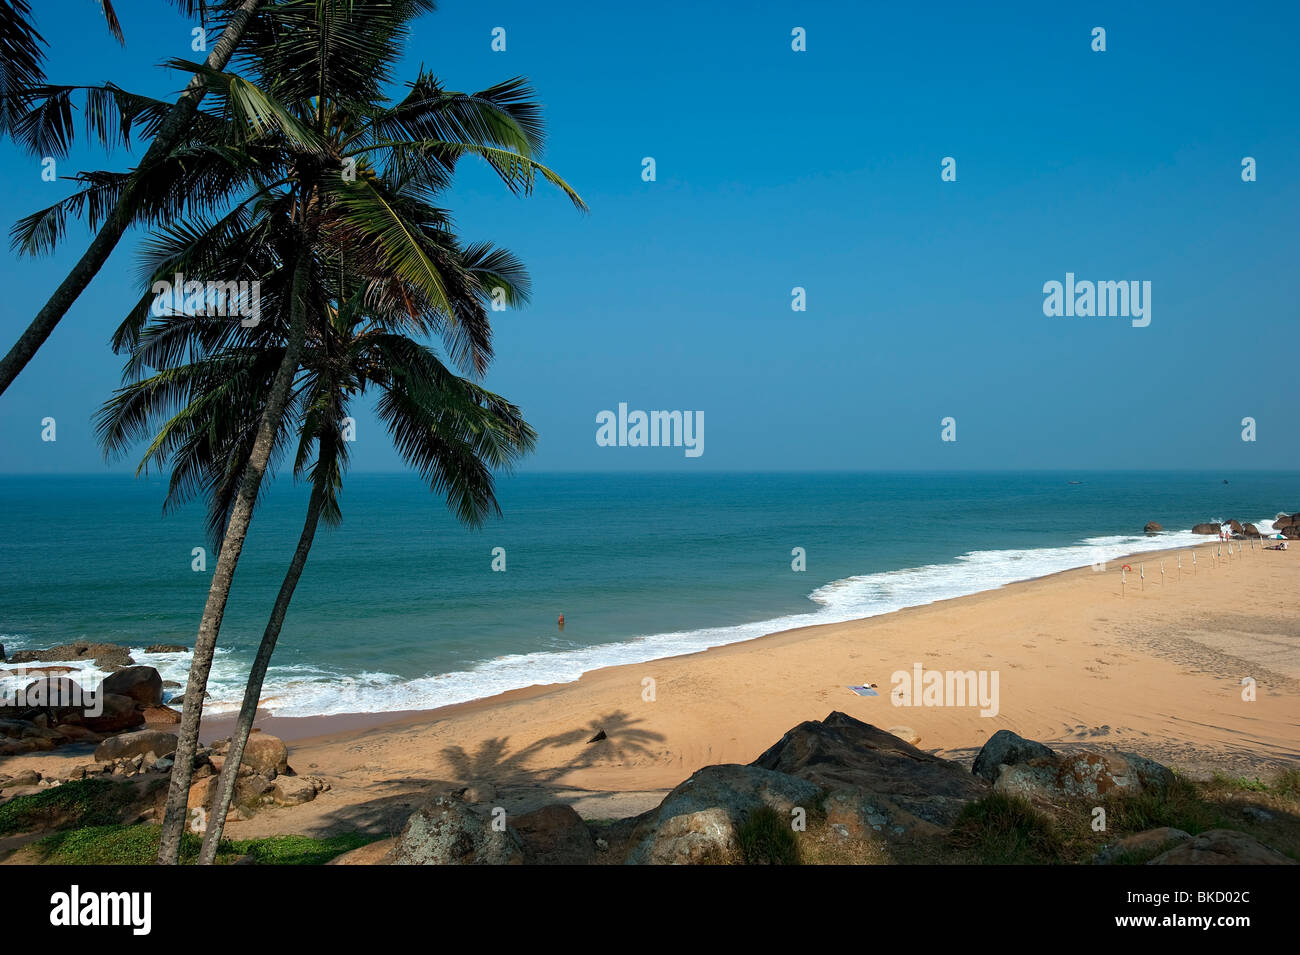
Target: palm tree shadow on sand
[493, 761]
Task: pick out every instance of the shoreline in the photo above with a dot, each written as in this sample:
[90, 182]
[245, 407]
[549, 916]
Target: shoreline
[310, 728]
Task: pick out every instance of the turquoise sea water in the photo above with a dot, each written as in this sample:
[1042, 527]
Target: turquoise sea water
[400, 608]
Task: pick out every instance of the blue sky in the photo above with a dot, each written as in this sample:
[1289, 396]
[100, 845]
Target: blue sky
[821, 169]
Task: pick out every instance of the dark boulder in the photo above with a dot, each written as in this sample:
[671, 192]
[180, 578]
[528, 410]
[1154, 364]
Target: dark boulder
[1005, 748]
[841, 753]
[142, 684]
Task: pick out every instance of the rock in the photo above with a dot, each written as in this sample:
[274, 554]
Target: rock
[555, 835]
[119, 713]
[162, 715]
[697, 821]
[137, 743]
[79, 734]
[447, 831]
[1222, 847]
[265, 754]
[1286, 520]
[250, 790]
[1235, 527]
[376, 853]
[293, 790]
[1086, 775]
[1006, 748]
[1255, 814]
[598, 737]
[167, 648]
[1152, 528]
[905, 733]
[24, 777]
[1207, 529]
[202, 794]
[1147, 841]
[1250, 530]
[104, 655]
[14, 728]
[38, 671]
[482, 793]
[2, 653]
[142, 684]
[841, 753]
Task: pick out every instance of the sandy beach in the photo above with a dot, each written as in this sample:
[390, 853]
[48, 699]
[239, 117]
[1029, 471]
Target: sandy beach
[1158, 671]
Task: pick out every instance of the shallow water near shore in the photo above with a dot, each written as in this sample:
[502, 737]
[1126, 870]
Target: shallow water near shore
[400, 608]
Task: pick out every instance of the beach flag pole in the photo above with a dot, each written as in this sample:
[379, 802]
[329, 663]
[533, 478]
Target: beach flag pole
[1193, 561]
[1123, 580]
[1142, 575]
[1162, 573]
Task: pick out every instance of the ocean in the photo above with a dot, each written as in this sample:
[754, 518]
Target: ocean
[400, 607]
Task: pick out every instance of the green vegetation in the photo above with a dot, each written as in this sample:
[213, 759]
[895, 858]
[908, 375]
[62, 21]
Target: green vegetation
[87, 802]
[1007, 830]
[137, 845]
[766, 839]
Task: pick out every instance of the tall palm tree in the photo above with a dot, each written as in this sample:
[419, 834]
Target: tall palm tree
[45, 126]
[453, 432]
[318, 169]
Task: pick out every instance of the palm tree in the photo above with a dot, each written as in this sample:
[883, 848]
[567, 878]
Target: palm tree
[22, 57]
[453, 432]
[41, 117]
[317, 171]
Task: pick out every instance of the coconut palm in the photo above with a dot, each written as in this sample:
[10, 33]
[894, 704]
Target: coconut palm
[41, 117]
[453, 432]
[320, 176]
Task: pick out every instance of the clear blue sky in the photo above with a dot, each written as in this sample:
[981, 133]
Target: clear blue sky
[822, 169]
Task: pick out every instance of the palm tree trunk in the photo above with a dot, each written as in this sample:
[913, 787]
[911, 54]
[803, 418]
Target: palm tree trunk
[253, 692]
[232, 544]
[110, 233]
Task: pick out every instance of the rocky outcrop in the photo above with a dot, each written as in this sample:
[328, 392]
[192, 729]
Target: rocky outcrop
[1222, 847]
[448, 831]
[1208, 529]
[1152, 528]
[1005, 748]
[167, 648]
[1250, 530]
[842, 753]
[1235, 527]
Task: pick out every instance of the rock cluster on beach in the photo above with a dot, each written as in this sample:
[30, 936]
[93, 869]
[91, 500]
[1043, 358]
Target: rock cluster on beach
[52, 710]
[1286, 525]
[862, 782]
